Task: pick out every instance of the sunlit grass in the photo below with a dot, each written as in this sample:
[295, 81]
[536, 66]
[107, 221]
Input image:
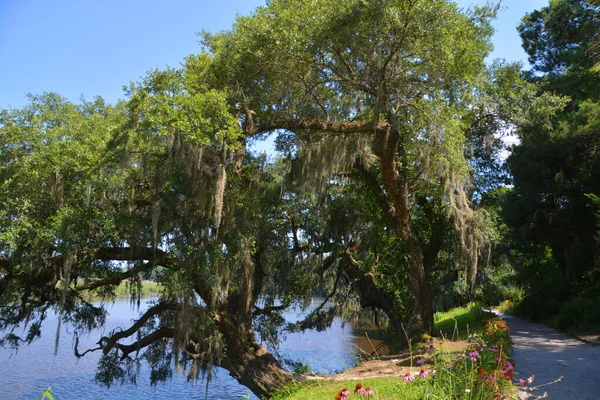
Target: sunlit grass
[462, 371]
[124, 290]
[389, 388]
[148, 289]
[460, 322]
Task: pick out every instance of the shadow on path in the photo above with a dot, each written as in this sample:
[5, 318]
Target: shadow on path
[549, 354]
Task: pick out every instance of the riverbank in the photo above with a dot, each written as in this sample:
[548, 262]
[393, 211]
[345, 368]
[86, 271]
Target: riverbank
[469, 368]
[125, 290]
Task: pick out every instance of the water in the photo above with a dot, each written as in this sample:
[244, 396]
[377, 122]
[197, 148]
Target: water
[23, 375]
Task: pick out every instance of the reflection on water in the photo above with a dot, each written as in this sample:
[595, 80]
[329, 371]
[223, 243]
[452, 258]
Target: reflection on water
[34, 368]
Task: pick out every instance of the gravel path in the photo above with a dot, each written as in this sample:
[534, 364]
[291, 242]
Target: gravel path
[549, 354]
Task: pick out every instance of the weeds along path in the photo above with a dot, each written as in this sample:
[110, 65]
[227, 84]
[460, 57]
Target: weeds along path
[549, 354]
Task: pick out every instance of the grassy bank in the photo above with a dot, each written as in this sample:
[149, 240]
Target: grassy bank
[474, 369]
[125, 290]
[460, 322]
[383, 388]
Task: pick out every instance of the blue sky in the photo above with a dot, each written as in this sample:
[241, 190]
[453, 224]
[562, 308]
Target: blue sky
[94, 47]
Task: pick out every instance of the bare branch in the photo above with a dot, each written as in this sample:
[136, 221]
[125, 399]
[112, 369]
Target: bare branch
[161, 333]
[112, 341]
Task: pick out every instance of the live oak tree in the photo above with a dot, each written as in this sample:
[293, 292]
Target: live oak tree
[377, 86]
[96, 195]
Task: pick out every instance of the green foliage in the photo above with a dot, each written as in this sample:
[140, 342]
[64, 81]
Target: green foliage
[579, 316]
[46, 395]
[501, 283]
[386, 114]
[555, 167]
[557, 37]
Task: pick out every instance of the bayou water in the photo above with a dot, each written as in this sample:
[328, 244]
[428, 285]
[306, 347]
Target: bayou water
[26, 373]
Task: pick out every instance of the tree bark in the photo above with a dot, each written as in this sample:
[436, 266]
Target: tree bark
[389, 145]
[249, 362]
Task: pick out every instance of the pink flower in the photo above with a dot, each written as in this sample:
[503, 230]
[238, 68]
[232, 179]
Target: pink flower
[369, 391]
[423, 373]
[420, 360]
[431, 349]
[521, 382]
[473, 354]
[408, 377]
[359, 389]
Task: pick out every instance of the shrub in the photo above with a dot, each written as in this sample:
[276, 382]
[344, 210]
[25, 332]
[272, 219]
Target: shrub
[579, 314]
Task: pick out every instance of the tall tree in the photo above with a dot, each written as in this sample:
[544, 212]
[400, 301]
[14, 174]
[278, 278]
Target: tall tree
[94, 196]
[382, 86]
[555, 167]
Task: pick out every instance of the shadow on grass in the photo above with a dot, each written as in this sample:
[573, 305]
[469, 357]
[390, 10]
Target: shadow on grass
[461, 322]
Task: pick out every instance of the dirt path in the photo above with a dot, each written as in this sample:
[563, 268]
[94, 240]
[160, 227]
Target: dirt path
[549, 354]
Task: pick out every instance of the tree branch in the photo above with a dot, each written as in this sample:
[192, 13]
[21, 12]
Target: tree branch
[151, 312]
[116, 279]
[317, 125]
[377, 191]
[106, 344]
[155, 256]
[147, 340]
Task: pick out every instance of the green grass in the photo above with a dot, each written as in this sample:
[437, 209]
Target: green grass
[124, 291]
[450, 382]
[460, 321]
[148, 289]
[384, 388]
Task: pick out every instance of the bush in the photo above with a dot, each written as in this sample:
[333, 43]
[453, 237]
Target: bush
[538, 307]
[579, 315]
[499, 283]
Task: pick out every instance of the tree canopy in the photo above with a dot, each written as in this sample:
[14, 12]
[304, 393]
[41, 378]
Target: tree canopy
[555, 167]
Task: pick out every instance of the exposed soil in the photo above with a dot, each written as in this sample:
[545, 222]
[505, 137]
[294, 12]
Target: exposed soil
[392, 365]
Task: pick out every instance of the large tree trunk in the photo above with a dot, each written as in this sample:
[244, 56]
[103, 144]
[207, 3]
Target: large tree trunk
[390, 148]
[369, 293]
[423, 310]
[249, 362]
